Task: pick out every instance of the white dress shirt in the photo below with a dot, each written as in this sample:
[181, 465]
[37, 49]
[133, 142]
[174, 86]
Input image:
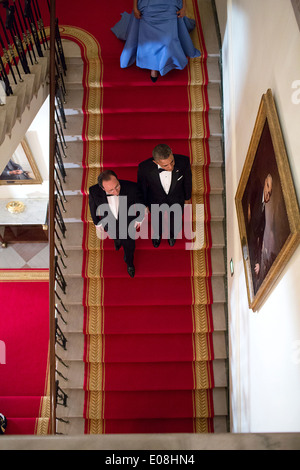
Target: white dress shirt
[165, 179]
[113, 202]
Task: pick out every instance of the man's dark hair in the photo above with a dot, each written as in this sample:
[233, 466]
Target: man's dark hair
[105, 176]
[161, 152]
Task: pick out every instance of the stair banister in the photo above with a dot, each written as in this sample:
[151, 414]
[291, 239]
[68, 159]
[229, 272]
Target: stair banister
[53, 385]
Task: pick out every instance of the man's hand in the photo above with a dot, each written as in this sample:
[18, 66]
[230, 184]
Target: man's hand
[256, 269]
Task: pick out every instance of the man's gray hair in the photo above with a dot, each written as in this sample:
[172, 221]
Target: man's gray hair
[161, 152]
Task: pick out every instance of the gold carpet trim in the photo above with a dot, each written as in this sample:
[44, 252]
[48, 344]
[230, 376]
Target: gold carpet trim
[87, 214]
[93, 264]
[201, 426]
[94, 103]
[92, 80]
[196, 72]
[198, 152]
[201, 294]
[96, 373]
[199, 260]
[23, 275]
[202, 351]
[197, 128]
[200, 263]
[95, 321]
[196, 99]
[45, 407]
[202, 375]
[200, 316]
[96, 426]
[91, 47]
[202, 409]
[95, 289]
[94, 149]
[93, 127]
[93, 77]
[96, 402]
[95, 350]
[42, 426]
[92, 241]
[198, 181]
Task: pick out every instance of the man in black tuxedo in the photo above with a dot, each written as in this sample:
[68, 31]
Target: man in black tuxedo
[165, 179]
[256, 215]
[109, 201]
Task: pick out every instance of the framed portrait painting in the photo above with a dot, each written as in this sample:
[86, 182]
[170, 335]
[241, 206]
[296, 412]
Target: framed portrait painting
[267, 206]
[21, 168]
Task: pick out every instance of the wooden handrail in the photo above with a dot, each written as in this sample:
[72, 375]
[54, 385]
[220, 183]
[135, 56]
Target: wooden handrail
[52, 361]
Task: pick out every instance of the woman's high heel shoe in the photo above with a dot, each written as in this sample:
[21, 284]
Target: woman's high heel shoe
[153, 77]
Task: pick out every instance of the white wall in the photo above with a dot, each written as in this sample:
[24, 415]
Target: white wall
[261, 50]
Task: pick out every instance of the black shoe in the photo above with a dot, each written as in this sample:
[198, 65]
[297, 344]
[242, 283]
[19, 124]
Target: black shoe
[153, 79]
[172, 241]
[117, 245]
[156, 242]
[131, 271]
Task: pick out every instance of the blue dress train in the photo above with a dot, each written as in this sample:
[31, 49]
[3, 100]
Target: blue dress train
[159, 40]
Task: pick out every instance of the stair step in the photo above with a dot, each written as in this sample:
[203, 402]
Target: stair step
[115, 150]
[74, 233]
[74, 176]
[74, 374]
[76, 400]
[118, 126]
[74, 76]
[140, 319]
[76, 426]
[213, 69]
[143, 262]
[75, 347]
[116, 100]
[74, 208]
[74, 291]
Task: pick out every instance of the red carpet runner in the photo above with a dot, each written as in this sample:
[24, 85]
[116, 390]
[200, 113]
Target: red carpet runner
[148, 340]
[24, 341]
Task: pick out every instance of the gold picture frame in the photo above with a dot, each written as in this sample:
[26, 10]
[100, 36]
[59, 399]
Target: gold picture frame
[21, 168]
[267, 206]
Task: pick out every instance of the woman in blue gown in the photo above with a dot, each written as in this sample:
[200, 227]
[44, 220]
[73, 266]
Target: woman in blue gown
[157, 36]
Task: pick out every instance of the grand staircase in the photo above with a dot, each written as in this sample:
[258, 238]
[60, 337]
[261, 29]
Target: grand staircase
[72, 369]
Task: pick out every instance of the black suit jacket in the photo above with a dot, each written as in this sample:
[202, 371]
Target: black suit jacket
[150, 187]
[98, 197]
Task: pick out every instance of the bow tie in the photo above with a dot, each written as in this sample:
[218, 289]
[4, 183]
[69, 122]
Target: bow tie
[109, 195]
[160, 170]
